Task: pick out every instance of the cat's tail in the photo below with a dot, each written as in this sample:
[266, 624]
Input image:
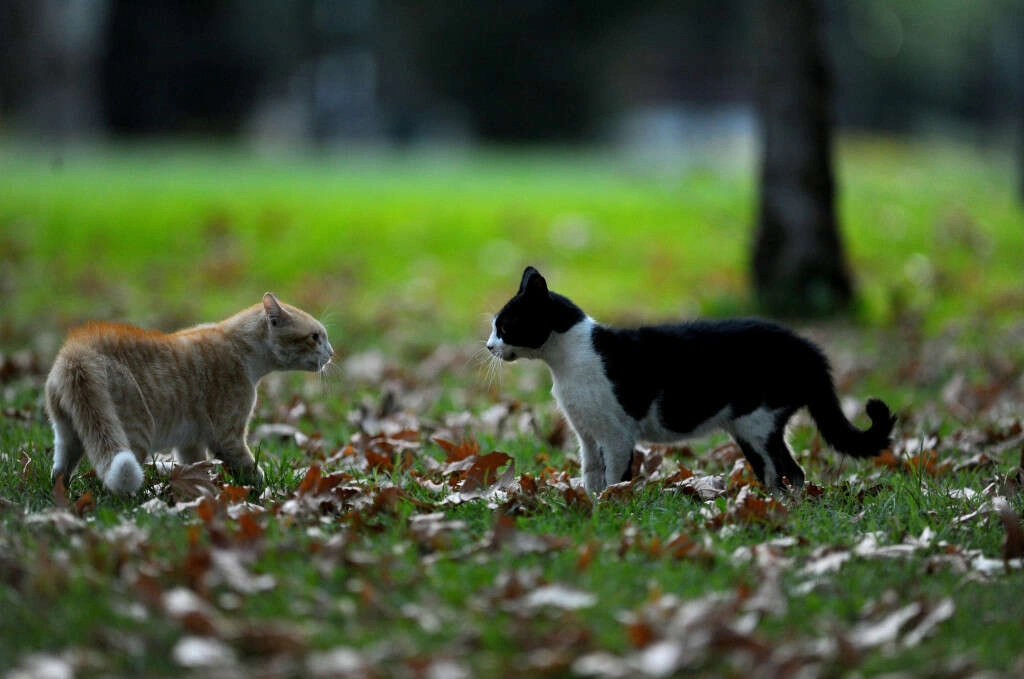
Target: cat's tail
[77, 390]
[842, 435]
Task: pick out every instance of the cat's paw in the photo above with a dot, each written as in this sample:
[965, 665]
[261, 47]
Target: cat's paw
[253, 476]
[593, 481]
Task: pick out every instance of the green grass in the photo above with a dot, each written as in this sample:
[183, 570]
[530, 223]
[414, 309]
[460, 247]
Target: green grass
[403, 253]
[170, 235]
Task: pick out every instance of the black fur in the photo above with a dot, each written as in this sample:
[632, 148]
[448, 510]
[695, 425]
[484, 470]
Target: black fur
[529, 318]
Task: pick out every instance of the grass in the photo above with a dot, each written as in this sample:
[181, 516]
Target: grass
[402, 254]
[170, 235]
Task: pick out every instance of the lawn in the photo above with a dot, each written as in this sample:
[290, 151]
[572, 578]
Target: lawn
[420, 518]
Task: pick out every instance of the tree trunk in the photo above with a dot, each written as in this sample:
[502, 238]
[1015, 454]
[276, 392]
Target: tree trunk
[799, 268]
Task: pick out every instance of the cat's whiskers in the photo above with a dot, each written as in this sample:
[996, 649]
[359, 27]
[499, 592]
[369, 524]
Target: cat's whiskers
[488, 365]
[327, 384]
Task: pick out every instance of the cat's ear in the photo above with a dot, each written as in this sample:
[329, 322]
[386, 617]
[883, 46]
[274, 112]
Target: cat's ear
[533, 283]
[275, 312]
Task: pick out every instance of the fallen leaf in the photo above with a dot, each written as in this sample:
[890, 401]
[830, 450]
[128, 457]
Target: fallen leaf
[559, 596]
[85, 504]
[939, 613]
[682, 546]
[190, 481]
[1013, 543]
[60, 497]
[41, 666]
[203, 652]
[617, 492]
[269, 638]
[876, 632]
[338, 662]
[285, 433]
[702, 487]
[587, 552]
[458, 451]
[483, 470]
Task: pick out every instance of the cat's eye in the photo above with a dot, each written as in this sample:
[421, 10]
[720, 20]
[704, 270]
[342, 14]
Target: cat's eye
[315, 337]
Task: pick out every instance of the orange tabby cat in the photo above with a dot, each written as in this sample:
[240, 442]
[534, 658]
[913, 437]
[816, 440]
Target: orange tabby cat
[117, 393]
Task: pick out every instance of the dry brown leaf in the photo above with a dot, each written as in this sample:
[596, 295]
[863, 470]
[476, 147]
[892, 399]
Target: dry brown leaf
[617, 492]
[725, 454]
[747, 508]
[677, 476]
[682, 546]
[249, 529]
[85, 504]
[60, 497]
[190, 481]
[587, 552]
[1013, 543]
[742, 475]
[887, 459]
[310, 480]
[483, 470]
[577, 498]
[458, 451]
[269, 638]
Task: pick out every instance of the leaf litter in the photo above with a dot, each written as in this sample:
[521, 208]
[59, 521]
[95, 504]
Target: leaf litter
[402, 466]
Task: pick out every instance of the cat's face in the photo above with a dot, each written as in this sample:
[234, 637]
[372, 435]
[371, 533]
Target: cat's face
[297, 340]
[524, 324]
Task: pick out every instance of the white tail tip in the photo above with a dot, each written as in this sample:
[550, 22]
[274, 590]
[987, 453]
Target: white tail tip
[125, 475]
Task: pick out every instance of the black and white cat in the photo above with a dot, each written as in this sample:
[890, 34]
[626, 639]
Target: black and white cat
[664, 383]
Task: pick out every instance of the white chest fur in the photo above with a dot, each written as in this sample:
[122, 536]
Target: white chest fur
[582, 389]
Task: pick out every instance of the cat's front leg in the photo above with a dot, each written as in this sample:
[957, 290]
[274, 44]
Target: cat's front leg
[191, 453]
[618, 460]
[238, 458]
[592, 464]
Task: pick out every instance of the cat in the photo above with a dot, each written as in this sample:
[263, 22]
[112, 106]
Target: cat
[660, 384]
[117, 393]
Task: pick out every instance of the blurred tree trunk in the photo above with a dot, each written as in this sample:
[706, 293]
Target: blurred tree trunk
[798, 262]
[1020, 155]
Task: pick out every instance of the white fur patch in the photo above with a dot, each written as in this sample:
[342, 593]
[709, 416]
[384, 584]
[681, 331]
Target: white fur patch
[125, 475]
[58, 449]
[585, 394]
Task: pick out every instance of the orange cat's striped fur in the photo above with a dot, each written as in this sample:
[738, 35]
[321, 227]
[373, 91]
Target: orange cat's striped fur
[118, 393]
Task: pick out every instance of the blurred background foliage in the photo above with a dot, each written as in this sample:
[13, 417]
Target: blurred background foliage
[407, 71]
[396, 163]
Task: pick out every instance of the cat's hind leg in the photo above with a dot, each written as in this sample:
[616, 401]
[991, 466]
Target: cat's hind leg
[67, 447]
[78, 390]
[760, 462]
[191, 453]
[786, 467]
[760, 437]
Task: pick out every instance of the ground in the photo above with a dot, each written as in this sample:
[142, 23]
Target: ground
[423, 516]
